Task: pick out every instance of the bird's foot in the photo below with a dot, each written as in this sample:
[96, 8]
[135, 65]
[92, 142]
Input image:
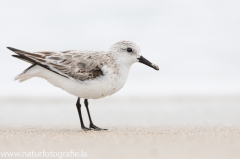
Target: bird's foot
[85, 129]
[95, 128]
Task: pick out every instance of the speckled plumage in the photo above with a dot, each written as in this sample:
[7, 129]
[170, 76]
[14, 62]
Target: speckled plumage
[77, 65]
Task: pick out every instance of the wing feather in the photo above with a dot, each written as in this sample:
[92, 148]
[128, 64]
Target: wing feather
[76, 65]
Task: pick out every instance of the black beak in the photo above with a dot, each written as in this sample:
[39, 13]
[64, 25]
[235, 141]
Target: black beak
[146, 62]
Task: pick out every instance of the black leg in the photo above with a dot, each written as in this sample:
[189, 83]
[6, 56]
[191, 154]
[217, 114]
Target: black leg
[80, 115]
[90, 120]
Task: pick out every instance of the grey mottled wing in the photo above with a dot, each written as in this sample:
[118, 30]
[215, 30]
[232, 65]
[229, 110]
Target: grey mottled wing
[76, 65]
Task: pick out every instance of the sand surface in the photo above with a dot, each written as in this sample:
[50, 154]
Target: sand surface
[138, 128]
[127, 142]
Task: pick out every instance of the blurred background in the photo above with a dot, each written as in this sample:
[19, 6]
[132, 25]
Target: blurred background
[195, 44]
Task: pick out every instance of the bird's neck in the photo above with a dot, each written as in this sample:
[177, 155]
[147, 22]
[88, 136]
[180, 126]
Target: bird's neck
[123, 68]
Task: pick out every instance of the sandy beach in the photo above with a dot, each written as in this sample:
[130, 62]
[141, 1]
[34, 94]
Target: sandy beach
[180, 128]
[166, 128]
[127, 142]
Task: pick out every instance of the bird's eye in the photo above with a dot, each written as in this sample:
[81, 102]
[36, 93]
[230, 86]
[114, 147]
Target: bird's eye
[129, 49]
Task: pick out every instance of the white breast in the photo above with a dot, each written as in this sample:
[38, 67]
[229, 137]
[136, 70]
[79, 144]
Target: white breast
[100, 87]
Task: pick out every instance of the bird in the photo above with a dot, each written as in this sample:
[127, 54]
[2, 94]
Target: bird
[84, 74]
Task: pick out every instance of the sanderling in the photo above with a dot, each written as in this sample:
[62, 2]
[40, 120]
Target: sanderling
[85, 74]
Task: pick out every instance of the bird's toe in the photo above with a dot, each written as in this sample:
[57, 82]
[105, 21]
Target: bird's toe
[86, 129]
[95, 128]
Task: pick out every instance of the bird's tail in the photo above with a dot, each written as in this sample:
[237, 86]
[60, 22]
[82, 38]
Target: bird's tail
[25, 75]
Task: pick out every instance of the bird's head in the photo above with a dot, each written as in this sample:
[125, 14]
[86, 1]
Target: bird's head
[129, 52]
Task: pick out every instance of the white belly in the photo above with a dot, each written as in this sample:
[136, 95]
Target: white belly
[91, 89]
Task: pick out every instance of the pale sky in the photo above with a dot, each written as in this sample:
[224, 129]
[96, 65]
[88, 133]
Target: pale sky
[195, 43]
